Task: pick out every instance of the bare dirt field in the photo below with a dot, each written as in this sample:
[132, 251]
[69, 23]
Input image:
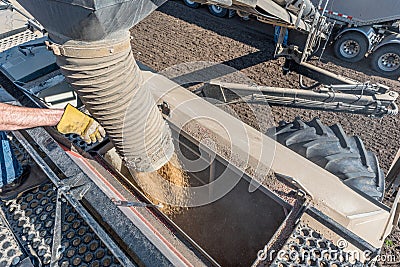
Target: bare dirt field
[176, 34]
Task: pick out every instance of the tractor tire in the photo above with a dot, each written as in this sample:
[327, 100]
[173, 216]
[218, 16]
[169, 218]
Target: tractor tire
[330, 148]
[191, 4]
[351, 47]
[218, 11]
[386, 60]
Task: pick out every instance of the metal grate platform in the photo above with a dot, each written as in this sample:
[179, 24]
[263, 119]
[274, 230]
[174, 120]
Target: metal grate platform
[16, 39]
[10, 251]
[32, 219]
[308, 247]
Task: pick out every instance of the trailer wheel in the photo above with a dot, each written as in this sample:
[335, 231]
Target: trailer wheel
[351, 47]
[218, 11]
[191, 4]
[386, 60]
[330, 148]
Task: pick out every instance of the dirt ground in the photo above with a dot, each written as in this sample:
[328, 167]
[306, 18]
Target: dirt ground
[176, 34]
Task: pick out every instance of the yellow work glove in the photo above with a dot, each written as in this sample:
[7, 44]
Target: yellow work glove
[74, 121]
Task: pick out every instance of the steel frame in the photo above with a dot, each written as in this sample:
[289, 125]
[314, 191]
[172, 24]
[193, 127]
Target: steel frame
[328, 195]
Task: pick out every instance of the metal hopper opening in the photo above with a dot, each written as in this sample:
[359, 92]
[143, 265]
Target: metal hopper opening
[234, 228]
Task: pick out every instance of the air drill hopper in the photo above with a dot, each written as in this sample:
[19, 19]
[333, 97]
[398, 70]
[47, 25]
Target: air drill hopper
[238, 213]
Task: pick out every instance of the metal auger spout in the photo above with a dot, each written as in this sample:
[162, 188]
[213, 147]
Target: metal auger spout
[91, 41]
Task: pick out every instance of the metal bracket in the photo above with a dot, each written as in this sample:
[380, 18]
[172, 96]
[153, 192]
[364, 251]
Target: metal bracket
[302, 191]
[78, 191]
[124, 203]
[164, 108]
[29, 48]
[291, 52]
[56, 248]
[89, 51]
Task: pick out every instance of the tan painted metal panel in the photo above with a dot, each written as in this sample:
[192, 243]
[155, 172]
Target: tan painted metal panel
[329, 194]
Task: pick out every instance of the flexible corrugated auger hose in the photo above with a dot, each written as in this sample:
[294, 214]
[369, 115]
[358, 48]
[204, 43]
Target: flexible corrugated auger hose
[108, 81]
[91, 41]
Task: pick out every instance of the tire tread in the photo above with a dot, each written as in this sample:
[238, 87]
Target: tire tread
[330, 148]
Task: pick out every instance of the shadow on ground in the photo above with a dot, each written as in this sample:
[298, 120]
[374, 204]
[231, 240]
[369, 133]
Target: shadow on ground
[255, 34]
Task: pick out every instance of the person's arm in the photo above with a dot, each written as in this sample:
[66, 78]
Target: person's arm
[16, 118]
[68, 120]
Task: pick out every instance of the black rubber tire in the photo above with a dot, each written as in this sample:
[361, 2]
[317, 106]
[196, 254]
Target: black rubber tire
[191, 4]
[330, 148]
[395, 49]
[218, 11]
[357, 38]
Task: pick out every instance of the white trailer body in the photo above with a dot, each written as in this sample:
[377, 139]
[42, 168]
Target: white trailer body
[367, 28]
[362, 12]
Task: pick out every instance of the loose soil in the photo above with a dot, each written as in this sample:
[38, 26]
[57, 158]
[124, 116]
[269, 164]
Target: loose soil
[176, 34]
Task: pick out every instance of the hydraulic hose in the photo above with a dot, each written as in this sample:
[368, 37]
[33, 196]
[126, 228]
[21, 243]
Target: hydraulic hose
[108, 81]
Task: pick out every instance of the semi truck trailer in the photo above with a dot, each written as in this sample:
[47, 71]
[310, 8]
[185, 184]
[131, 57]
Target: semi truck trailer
[366, 29]
[362, 29]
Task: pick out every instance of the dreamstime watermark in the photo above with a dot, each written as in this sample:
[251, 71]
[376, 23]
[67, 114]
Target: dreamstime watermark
[335, 254]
